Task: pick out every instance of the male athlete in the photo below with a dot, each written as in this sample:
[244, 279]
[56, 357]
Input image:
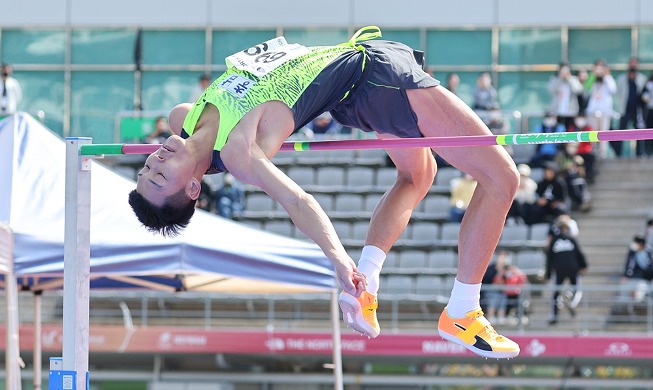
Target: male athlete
[275, 88]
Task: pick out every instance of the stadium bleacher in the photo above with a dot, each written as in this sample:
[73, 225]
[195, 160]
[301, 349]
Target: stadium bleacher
[348, 186]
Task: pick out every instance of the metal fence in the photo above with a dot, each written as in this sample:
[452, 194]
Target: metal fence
[622, 307]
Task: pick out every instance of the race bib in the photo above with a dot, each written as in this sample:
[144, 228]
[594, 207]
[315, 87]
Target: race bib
[237, 85]
[263, 58]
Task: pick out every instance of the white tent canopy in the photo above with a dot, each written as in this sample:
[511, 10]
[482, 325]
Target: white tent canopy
[32, 190]
[212, 254]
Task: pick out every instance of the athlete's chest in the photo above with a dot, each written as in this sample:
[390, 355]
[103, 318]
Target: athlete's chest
[269, 124]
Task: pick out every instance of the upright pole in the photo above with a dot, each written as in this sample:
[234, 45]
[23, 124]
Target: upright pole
[12, 352]
[14, 381]
[337, 346]
[77, 268]
[38, 350]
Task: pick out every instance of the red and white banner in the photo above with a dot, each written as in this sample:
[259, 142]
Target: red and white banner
[189, 340]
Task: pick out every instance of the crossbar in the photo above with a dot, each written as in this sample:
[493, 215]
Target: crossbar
[458, 141]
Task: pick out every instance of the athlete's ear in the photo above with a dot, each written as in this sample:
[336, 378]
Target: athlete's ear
[193, 188]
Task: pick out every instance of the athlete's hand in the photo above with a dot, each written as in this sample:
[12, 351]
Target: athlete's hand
[352, 281]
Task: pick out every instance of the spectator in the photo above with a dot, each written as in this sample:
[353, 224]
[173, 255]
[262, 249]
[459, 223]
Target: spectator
[564, 89]
[574, 175]
[462, 189]
[551, 197]
[160, 133]
[525, 197]
[484, 95]
[628, 103]
[648, 234]
[590, 79]
[546, 152]
[638, 271]
[497, 125]
[554, 229]
[582, 76]
[12, 94]
[453, 82]
[494, 298]
[639, 260]
[565, 260]
[205, 200]
[514, 280]
[230, 198]
[323, 125]
[202, 84]
[646, 147]
[599, 105]
[585, 149]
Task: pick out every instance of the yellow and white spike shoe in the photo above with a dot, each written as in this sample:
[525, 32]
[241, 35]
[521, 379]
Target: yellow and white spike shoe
[360, 313]
[475, 333]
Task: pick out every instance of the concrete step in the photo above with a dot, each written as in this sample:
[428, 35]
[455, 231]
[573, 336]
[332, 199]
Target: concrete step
[622, 199]
[634, 200]
[636, 182]
[601, 226]
[610, 253]
[615, 194]
[611, 242]
[598, 233]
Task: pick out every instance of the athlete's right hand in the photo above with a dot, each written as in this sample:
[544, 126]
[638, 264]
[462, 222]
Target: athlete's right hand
[352, 281]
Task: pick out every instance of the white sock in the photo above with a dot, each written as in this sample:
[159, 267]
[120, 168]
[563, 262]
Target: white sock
[370, 265]
[464, 298]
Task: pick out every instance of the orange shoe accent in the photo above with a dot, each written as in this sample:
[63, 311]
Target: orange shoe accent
[360, 313]
[475, 333]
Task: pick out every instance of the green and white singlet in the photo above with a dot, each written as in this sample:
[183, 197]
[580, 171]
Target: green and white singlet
[273, 70]
[362, 84]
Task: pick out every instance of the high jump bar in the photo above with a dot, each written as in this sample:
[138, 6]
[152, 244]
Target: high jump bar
[457, 141]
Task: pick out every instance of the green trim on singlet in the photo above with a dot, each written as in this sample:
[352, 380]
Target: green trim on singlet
[294, 76]
[383, 86]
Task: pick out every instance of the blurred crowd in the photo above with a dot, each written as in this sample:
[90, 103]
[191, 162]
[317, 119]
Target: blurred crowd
[581, 100]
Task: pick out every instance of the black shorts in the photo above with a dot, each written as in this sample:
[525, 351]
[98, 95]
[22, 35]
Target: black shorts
[378, 101]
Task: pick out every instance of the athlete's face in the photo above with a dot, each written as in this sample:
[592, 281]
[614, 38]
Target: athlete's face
[166, 171]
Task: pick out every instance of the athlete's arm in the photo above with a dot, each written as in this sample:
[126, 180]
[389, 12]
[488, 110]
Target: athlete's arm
[248, 163]
[176, 117]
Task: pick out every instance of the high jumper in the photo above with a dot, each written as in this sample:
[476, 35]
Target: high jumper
[271, 90]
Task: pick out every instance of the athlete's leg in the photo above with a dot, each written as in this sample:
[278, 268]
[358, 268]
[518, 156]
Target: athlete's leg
[440, 113]
[415, 172]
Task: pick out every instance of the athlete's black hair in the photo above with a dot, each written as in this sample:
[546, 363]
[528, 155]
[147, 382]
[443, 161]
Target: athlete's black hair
[168, 220]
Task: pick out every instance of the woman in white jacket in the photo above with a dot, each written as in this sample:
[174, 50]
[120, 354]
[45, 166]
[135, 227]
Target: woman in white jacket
[600, 103]
[564, 90]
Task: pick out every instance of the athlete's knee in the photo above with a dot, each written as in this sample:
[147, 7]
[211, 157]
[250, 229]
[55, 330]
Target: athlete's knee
[501, 183]
[512, 178]
[510, 183]
[419, 176]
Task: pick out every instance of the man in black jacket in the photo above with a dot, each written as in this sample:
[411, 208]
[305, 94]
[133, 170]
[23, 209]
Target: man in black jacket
[564, 260]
